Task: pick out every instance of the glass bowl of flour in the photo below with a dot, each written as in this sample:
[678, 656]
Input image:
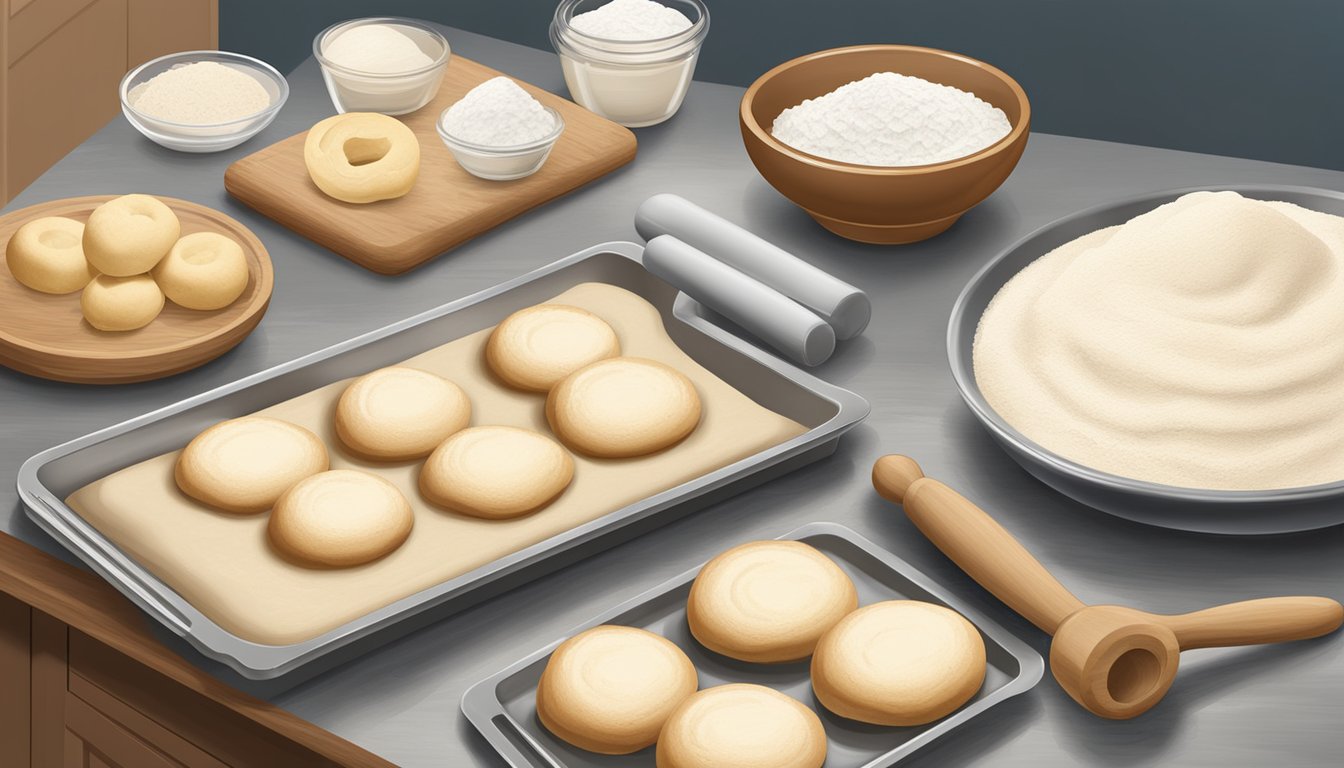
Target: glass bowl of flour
[384, 64]
[500, 132]
[202, 101]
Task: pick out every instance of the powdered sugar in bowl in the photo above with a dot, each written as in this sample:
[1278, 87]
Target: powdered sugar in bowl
[498, 131]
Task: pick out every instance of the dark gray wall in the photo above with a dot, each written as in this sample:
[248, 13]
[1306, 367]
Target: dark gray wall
[1250, 78]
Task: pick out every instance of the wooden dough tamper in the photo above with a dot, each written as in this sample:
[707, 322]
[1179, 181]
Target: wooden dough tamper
[1115, 661]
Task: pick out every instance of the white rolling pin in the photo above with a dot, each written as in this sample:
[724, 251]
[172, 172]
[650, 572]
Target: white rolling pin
[842, 305]
[773, 317]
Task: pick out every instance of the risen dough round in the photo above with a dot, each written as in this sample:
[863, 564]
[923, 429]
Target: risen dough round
[610, 689]
[901, 662]
[121, 303]
[400, 413]
[623, 407]
[128, 235]
[340, 518]
[768, 601]
[204, 270]
[362, 157]
[46, 255]
[743, 726]
[496, 472]
[534, 348]
[244, 465]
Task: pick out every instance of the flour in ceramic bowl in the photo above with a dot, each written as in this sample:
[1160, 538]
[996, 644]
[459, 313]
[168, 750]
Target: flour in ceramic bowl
[498, 113]
[889, 119]
[631, 20]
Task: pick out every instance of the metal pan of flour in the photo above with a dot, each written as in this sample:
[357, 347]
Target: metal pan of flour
[1205, 511]
[825, 411]
[502, 707]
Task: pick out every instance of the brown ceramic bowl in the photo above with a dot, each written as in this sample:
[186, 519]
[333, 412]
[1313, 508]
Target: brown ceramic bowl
[878, 204]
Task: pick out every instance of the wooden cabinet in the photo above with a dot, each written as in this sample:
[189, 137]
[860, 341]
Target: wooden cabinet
[62, 61]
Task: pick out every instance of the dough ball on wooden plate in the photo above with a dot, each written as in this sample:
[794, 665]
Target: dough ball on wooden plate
[623, 407]
[768, 601]
[128, 235]
[340, 518]
[743, 726]
[121, 303]
[496, 472]
[609, 689]
[534, 348]
[244, 465]
[400, 413]
[204, 270]
[47, 255]
[900, 662]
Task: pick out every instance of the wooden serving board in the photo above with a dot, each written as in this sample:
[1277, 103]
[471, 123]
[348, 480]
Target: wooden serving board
[448, 206]
[45, 335]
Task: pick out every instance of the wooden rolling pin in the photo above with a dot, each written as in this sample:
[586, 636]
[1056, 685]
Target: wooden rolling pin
[1116, 662]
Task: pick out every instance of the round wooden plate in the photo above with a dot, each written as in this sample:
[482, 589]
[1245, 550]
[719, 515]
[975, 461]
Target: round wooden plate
[45, 335]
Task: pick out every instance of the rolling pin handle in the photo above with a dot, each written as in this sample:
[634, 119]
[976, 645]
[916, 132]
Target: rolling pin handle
[1253, 622]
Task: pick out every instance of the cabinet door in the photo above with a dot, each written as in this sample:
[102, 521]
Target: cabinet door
[92, 740]
[159, 27]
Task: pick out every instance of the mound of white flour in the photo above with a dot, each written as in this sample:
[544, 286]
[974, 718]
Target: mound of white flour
[498, 113]
[631, 20]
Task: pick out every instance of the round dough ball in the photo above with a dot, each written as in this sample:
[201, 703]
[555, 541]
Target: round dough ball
[244, 465]
[395, 414]
[534, 348]
[47, 255]
[340, 518]
[204, 270]
[768, 601]
[623, 407]
[496, 472]
[128, 235]
[121, 303]
[362, 157]
[610, 689]
[743, 726]
[901, 662]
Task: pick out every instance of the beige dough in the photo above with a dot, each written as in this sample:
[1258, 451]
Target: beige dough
[534, 348]
[128, 235]
[362, 157]
[623, 407]
[768, 601]
[204, 270]
[399, 413]
[121, 303]
[496, 472]
[741, 726]
[244, 465]
[46, 255]
[340, 518]
[610, 689]
[901, 662]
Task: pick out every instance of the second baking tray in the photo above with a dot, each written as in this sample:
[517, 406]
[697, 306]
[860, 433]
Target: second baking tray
[49, 477]
[503, 707]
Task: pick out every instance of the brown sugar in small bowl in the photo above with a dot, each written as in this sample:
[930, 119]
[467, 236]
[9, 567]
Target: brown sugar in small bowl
[881, 204]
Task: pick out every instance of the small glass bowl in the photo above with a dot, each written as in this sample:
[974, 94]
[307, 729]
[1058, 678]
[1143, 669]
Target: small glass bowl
[216, 137]
[394, 93]
[502, 163]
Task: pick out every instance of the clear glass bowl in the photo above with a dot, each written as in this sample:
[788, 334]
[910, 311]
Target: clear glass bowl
[632, 82]
[395, 93]
[502, 163]
[215, 137]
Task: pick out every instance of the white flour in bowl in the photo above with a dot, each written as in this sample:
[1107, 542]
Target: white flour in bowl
[498, 113]
[202, 93]
[889, 119]
[631, 20]
[380, 49]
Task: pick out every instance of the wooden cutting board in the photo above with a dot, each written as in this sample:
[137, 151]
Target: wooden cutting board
[448, 206]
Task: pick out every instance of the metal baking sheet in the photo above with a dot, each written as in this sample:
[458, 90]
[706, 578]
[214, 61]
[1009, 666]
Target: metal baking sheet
[48, 478]
[503, 708]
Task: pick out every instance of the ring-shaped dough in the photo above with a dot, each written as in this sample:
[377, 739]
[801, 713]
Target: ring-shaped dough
[244, 465]
[47, 255]
[362, 157]
[623, 407]
[128, 235]
[399, 413]
[741, 725]
[340, 518]
[496, 472]
[203, 270]
[534, 348]
[121, 303]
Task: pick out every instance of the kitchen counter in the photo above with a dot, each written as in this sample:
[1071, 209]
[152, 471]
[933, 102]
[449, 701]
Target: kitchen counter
[1279, 705]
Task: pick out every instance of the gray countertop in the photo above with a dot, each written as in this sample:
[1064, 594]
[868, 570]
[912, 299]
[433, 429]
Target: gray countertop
[1279, 705]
